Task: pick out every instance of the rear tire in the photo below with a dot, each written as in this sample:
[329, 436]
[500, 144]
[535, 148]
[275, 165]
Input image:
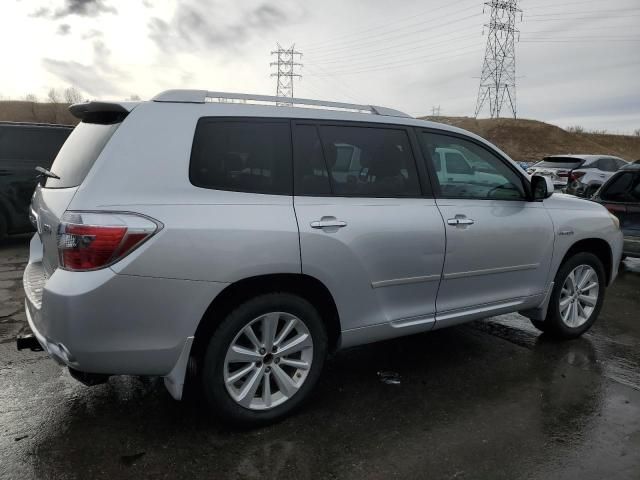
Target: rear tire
[277, 378]
[576, 300]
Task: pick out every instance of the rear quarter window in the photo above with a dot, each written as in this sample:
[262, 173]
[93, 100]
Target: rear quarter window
[78, 154]
[244, 156]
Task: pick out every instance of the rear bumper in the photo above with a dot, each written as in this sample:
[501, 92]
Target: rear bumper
[103, 322]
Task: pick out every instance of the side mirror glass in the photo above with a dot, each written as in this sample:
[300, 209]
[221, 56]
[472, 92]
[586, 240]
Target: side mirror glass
[541, 187]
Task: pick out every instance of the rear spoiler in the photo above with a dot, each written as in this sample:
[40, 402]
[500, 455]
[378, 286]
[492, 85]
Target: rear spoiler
[105, 113]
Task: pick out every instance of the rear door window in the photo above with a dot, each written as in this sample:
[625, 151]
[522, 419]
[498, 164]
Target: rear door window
[78, 154]
[354, 161]
[245, 156]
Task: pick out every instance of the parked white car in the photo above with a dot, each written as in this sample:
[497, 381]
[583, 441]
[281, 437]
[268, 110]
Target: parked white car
[579, 175]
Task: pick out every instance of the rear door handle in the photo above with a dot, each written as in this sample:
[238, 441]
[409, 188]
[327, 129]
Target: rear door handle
[328, 222]
[460, 221]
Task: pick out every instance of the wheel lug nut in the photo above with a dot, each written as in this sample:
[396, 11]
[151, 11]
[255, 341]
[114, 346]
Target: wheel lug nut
[268, 369]
[277, 360]
[262, 351]
[274, 349]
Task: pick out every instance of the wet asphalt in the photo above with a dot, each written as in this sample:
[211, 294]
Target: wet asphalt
[493, 399]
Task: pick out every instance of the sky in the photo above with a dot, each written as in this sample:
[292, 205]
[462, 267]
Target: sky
[577, 62]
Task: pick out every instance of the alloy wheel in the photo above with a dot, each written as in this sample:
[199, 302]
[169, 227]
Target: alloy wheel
[268, 361]
[579, 296]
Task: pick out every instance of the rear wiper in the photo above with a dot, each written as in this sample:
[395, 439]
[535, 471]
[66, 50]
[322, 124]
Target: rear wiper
[46, 173]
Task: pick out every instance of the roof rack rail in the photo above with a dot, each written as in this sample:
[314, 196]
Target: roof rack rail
[202, 96]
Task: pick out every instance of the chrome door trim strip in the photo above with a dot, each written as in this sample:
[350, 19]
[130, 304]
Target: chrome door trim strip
[411, 321]
[404, 281]
[489, 271]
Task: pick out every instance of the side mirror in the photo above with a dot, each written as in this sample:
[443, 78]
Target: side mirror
[541, 187]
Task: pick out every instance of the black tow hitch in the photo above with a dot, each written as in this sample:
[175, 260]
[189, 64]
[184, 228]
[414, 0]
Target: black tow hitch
[26, 341]
[88, 379]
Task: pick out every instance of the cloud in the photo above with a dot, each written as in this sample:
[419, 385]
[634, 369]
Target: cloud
[64, 29]
[82, 8]
[91, 34]
[98, 79]
[195, 26]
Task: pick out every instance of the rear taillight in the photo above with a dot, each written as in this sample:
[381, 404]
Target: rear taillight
[574, 176]
[92, 240]
[562, 173]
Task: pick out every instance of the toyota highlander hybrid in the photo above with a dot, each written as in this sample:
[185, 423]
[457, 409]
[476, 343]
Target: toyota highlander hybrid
[236, 244]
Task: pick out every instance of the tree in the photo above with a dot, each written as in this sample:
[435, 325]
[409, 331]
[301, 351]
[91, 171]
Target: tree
[636, 132]
[31, 97]
[72, 95]
[54, 95]
[134, 98]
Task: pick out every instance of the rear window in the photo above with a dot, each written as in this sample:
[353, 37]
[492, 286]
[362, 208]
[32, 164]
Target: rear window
[35, 145]
[79, 153]
[243, 156]
[567, 163]
[624, 187]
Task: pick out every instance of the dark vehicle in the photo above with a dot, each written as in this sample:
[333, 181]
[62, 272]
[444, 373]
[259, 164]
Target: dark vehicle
[579, 175]
[23, 147]
[621, 196]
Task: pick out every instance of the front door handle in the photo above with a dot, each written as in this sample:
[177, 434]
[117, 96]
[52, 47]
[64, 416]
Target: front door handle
[328, 222]
[460, 220]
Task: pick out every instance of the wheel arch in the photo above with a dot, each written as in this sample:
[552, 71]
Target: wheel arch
[598, 247]
[306, 286]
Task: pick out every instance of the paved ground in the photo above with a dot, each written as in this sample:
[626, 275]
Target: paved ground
[488, 400]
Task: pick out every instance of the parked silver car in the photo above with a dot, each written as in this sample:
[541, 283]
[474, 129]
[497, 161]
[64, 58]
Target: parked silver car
[237, 244]
[579, 175]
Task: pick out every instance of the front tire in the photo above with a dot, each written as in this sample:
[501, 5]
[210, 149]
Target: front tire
[264, 359]
[576, 300]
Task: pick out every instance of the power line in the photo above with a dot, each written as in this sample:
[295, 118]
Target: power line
[592, 17]
[380, 29]
[617, 10]
[498, 78]
[286, 65]
[338, 84]
[415, 61]
[404, 51]
[353, 45]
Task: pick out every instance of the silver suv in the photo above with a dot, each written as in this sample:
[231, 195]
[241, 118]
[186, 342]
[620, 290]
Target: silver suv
[233, 245]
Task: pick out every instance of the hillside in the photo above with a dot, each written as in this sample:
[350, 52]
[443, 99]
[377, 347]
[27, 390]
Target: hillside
[530, 140]
[523, 140]
[19, 111]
